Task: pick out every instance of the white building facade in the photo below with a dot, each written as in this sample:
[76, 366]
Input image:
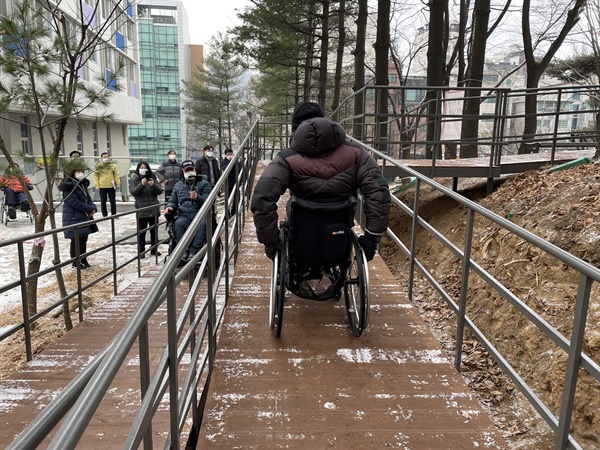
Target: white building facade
[112, 65]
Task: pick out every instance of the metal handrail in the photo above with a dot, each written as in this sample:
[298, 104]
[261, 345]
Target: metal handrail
[572, 347]
[191, 329]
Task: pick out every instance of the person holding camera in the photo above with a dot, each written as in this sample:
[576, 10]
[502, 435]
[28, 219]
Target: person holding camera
[188, 196]
[145, 188]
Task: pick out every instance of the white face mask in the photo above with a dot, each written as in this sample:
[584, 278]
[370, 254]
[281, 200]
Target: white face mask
[189, 173]
[79, 176]
[106, 160]
[143, 172]
[172, 157]
[209, 155]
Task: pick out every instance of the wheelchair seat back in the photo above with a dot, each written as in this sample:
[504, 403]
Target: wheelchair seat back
[320, 232]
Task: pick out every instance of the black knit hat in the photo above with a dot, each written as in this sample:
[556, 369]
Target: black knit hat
[305, 111]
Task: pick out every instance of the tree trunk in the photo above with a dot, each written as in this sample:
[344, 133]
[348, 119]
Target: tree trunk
[382, 46]
[460, 41]
[322, 97]
[310, 49]
[359, 69]
[472, 102]
[436, 59]
[537, 64]
[339, 59]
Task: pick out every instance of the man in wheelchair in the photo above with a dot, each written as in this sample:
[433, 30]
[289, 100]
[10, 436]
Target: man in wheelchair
[186, 200]
[321, 167]
[13, 191]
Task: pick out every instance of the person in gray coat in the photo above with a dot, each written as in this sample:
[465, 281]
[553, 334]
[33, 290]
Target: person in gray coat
[169, 173]
[145, 188]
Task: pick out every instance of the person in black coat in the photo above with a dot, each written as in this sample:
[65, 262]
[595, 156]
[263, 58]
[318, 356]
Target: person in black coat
[145, 188]
[78, 207]
[208, 166]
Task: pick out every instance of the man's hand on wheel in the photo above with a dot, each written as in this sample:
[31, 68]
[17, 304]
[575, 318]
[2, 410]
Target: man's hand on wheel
[271, 250]
[369, 242]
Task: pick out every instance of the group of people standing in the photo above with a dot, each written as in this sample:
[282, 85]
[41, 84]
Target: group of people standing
[186, 186]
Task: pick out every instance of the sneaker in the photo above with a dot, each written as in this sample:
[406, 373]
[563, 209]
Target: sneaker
[12, 214]
[81, 266]
[25, 206]
[185, 257]
[85, 265]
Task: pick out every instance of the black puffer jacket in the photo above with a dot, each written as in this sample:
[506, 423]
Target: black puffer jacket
[320, 166]
[145, 195]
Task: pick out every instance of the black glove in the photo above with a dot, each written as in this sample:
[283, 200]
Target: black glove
[369, 242]
[170, 216]
[271, 250]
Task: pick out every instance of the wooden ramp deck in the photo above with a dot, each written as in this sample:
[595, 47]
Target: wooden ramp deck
[318, 386]
[481, 168]
[315, 387]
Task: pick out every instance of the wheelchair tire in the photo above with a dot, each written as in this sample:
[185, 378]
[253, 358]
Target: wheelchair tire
[356, 288]
[278, 277]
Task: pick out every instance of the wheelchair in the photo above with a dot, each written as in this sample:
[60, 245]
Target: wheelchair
[9, 213]
[172, 241]
[319, 258]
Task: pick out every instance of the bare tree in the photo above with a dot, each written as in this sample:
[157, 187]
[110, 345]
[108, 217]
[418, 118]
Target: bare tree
[46, 52]
[359, 69]
[324, 53]
[474, 77]
[536, 64]
[339, 55]
[436, 59]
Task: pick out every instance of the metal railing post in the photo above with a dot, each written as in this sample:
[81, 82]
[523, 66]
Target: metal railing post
[144, 348]
[413, 240]
[25, 302]
[172, 351]
[464, 288]
[573, 361]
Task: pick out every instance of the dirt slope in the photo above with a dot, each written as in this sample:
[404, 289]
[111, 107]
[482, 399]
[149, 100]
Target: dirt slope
[562, 207]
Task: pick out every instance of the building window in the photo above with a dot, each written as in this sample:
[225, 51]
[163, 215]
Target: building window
[95, 138]
[80, 138]
[108, 138]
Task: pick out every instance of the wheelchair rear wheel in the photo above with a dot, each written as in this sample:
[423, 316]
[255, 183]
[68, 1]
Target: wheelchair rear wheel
[278, 277]
[356, 288]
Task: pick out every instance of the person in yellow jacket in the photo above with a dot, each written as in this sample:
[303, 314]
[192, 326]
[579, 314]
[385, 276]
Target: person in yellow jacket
[107, 181]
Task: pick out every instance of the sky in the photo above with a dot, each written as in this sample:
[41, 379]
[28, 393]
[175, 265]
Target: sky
[207, 18]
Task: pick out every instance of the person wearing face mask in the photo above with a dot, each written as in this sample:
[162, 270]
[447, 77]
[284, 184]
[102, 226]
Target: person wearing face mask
[208, 166]
[187, 198]
[107, 181]
[78, 207]
[169, 173]
[145, 188]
